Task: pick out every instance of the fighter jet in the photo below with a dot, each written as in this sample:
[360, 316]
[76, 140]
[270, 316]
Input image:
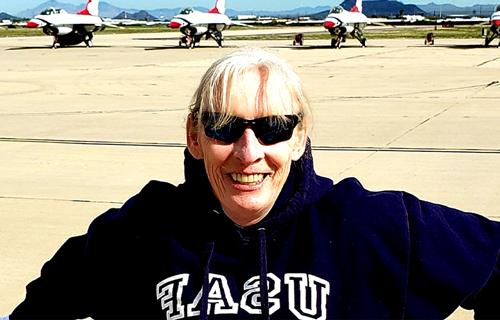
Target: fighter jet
[6, 23]
[195, 24]
[494, 29]
[341, 22]
[67, 28]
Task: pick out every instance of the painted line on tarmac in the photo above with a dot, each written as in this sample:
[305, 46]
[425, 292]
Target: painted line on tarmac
[95, 142]
[60, 199]
[409, 149]
[314, 147]
[90, 112]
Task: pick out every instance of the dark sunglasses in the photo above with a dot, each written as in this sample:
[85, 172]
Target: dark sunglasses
[268, 130]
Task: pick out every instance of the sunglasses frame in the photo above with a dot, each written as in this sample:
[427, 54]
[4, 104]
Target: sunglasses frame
[268, 130]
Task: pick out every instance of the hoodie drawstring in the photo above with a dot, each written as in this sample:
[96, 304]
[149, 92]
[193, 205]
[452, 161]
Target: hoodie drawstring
[204, 291]
[264, 296]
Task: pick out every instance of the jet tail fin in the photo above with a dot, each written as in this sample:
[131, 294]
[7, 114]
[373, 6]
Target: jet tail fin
[220, 7]
[92, 8]
[358, 6]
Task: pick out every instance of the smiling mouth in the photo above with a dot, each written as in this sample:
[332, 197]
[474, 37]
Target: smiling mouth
[247, 178]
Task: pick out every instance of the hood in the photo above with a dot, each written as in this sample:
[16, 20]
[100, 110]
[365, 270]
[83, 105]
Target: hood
[302, 187]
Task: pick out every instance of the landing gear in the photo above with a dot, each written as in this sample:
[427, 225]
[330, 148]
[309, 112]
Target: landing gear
[75, 37]
[337, 41]
[490, 35]
[87, 39]
[190, 37]
[363, 42]
[338, 36]
[56, 43]
[189, 41]
[358, 34]
[217, 36]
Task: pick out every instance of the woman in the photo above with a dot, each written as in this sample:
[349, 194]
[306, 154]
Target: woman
[255, 233]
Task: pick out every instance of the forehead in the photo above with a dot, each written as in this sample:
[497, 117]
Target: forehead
[261, 90]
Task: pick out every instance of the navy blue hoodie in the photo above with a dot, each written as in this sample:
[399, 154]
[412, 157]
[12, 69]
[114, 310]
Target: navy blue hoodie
[326, 251]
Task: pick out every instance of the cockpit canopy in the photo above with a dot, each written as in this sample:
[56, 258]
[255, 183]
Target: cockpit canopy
[186, 11]
[337, 9]
[49, 11]
[497, 7]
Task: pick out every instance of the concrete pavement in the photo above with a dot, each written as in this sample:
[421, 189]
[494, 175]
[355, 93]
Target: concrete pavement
[84, 129]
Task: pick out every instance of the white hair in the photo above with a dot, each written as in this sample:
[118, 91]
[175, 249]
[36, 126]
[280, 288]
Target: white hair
[280, 91]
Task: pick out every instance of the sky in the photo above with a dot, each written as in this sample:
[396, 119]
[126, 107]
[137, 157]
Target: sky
[13, 6]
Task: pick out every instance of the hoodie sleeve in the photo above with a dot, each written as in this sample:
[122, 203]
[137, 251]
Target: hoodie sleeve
[60, 291]
[68, 283]
[453, 261]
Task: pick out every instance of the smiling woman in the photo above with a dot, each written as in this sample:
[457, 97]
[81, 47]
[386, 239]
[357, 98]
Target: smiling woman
[249, 121]
[254, 232]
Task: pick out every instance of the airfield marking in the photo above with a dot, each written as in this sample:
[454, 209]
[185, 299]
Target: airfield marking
[84, 112]
[59, 199]
[314, 147]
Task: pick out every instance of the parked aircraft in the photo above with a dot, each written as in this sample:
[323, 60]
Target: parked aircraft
[494, 29]
[460, 19]
[6, 23]
[67, 28]
[195, 24]
[340, 22]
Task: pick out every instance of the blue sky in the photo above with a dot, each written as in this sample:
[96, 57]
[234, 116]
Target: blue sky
[13, 6]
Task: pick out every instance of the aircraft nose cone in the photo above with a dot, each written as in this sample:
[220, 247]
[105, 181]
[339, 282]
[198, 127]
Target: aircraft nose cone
[32, 24]
[174, 24]
[328, 24]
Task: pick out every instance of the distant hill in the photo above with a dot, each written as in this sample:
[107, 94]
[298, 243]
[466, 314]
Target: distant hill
[292, 13]
[6, 16]
[384, 8]
[51, 3]
[433, 9]
[166, 13]
[377, 8]
[140, 15]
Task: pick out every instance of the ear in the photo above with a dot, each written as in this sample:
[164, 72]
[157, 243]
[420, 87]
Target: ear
[299, 143]
[193, 139]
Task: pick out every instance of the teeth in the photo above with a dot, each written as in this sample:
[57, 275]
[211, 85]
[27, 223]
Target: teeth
[247, 178]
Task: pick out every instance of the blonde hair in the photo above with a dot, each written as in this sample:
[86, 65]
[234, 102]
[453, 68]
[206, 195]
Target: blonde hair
[280, 91]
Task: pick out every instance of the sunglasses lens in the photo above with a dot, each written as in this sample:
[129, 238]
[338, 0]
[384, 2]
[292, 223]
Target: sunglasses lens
[274, 129]
[229, 132]
[269, 130]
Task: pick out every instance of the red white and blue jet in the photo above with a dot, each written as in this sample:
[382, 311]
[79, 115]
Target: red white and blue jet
[70, 28]
[494, 29]
[341, 23]
[194, 25]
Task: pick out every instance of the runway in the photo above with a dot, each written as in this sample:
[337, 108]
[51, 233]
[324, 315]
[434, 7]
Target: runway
[84, 129]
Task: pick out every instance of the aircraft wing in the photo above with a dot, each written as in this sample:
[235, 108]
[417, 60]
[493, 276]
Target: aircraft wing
[241, 24]
[305, 22]
[110, 25]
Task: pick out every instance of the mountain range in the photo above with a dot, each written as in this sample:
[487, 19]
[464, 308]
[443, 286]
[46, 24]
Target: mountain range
[370, 8]
[6, 16]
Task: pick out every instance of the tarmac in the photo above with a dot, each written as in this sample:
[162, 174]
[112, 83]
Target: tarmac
[84, 129]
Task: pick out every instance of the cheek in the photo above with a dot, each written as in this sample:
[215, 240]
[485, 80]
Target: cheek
[215, 157]
[280, 158]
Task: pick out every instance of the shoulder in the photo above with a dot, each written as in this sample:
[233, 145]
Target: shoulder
[143, 210]
[349, 194]
[358, 203]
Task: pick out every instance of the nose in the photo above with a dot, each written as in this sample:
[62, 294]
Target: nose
[33, 23]
[328, 24]
[174, 24]
[248, 149]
